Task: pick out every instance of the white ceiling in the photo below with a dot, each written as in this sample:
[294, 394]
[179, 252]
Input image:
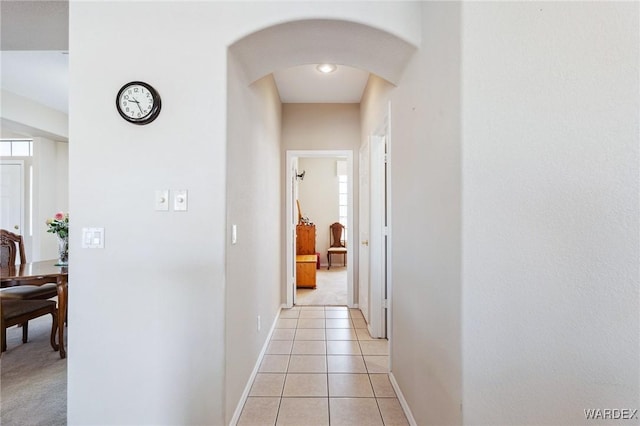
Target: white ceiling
[35, 35]
[305, 84]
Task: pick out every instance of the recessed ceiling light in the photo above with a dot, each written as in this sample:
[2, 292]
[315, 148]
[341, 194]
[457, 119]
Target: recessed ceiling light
[326, 68]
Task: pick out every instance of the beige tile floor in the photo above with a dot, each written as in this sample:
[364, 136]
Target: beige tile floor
[322, 368]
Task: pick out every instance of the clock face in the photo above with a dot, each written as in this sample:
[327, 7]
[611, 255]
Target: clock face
[138, 102]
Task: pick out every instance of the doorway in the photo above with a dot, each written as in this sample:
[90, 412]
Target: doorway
[299, 189]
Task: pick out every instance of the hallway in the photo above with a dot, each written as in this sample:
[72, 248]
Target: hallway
[323, 368]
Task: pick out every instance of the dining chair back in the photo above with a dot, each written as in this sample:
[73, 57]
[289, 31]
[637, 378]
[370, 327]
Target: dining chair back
[12, 246]
[16, 306]
[337, 244]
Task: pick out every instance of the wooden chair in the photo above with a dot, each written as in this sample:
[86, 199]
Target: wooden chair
[27, 301]
[12, 245]
[336, 243]
[14, 312]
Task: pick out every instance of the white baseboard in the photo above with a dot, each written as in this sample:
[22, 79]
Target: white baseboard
[247, 388]
[403, 402]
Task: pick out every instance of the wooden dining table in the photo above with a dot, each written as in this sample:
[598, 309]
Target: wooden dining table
[39, 273]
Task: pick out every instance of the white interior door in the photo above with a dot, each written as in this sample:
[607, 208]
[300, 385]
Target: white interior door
[363, 252]
[377, 238]
[291, 213]
[11, 196]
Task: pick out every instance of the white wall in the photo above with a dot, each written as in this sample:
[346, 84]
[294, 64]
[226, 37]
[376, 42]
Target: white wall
[149, 308]
[318, 196]
[62, 175]
[21, 114]
[374, 105]
[253, 273]
[426, 223]
[548, 255]
[147, 311]
[550, 265]
[50, 194]
[320, 126]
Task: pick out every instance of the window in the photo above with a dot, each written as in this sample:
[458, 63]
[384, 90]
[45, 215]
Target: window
[342, 200]
[16, 147]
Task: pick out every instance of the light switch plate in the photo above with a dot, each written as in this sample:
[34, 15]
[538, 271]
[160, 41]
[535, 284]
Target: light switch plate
[162, 200]
[234, 234]
[92, 237]
[180, 200]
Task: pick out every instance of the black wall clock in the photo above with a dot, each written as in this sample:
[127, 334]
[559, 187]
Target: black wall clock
[138, 102]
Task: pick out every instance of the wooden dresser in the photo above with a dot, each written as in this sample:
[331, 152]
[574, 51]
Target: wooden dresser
[306, 256]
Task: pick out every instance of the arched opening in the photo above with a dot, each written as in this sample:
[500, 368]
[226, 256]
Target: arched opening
[314, 41]
[257, 269]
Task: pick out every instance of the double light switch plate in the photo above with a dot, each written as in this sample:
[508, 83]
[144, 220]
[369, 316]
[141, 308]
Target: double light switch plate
[162, 200]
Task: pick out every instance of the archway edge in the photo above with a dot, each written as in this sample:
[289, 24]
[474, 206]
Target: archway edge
[309, 41]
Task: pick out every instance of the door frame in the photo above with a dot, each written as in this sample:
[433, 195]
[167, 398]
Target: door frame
[364, 216]
[290, 220]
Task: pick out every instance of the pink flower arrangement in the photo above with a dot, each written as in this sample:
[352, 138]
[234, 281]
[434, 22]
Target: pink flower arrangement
[59, 224]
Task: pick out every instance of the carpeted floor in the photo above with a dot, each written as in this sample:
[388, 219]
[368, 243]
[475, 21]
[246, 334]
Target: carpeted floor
[33, 379]
[331, 288]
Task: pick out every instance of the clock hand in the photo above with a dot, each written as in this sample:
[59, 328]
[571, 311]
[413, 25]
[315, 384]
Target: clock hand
[137, 103]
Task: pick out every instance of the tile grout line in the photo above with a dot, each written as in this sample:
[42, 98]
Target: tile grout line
[370, 381]
[286, 372]
[372, 387]
[326, 349]
[326, 340]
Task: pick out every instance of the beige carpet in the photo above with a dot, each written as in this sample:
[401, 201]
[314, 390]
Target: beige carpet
[331, 288]
[33, 379]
